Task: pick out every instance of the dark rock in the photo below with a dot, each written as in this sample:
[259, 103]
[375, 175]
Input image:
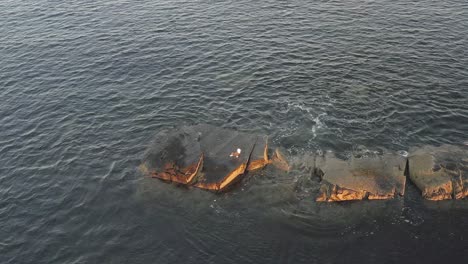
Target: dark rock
[207, 157]
[441, 173]
[373, 177]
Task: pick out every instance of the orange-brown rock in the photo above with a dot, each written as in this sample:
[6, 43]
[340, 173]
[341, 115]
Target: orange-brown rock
[440, 172]
[375, 178]
[207, 157]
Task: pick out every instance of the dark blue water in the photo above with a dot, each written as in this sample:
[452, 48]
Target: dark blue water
[85, 85]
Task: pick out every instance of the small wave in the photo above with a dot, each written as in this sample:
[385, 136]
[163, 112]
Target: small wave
[403, 153]
[318, 124]
[301, 121]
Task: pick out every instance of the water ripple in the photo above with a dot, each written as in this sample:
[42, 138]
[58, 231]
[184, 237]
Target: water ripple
[85, 84]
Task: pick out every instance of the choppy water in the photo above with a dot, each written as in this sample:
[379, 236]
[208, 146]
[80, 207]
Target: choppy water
[84, 86]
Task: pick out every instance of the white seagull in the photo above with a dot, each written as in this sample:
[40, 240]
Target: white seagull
[236, 154]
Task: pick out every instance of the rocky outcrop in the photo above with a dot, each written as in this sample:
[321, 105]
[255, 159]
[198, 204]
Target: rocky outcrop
[374, 178]
[208, 157]
[215, 159]
[441, 173]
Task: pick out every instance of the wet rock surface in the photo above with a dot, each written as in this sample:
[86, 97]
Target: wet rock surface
[216, 159]
[374, 177]
[205, 156]
[172, 146]
[440, 173]
[219, 144]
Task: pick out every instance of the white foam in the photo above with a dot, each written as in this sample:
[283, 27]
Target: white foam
[403, 153]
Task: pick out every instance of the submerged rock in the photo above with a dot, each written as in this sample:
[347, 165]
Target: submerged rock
[441, 173]
[207, 157]
[376, 177]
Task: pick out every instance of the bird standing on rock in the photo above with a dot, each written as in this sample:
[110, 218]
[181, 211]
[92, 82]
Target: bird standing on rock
[236, 154]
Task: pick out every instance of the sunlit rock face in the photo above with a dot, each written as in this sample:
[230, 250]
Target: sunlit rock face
[375, 177]
[208, 157]
[441, 173]
[216, 159]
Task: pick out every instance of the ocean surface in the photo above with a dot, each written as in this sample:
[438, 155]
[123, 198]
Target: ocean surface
[86, 84]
